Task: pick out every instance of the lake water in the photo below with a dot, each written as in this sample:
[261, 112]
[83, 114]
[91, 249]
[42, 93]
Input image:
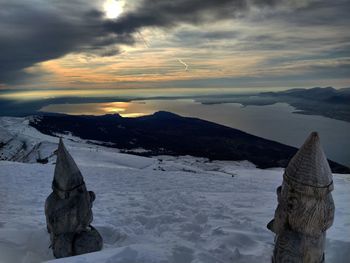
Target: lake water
[275, 122]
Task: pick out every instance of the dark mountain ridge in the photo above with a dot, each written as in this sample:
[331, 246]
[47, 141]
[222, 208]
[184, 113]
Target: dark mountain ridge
[165, 133]
[327, 94]
[328, 102]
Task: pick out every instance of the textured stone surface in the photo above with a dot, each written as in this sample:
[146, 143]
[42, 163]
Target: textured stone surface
[68, 210]
[305, 206]
[67, 174]
[309, 166]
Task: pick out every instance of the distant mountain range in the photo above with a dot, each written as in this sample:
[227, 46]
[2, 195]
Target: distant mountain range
[165, 133]
[327, 102]
[327, 95]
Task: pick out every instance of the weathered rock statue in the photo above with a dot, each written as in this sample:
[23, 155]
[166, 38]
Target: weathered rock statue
[305, 206]
[68, 210]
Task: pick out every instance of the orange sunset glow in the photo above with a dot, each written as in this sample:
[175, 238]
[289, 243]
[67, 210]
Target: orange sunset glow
[255, 49]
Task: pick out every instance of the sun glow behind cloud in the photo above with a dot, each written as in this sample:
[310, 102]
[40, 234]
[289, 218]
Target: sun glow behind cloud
[113, 8]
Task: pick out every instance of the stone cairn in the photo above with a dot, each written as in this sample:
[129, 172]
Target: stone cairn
[68, 210]
[305, 206]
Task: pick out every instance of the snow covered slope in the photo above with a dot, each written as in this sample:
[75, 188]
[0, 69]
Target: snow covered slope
[20, 142]
[161, 210]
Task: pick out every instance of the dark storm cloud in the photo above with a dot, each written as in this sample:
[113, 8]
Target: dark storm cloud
[168, 13]
[335, 13]
[33, 31]
[36, 31]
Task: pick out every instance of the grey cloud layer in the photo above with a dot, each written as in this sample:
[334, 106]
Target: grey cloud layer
[165, 13]
[36, 31]
[33, 31]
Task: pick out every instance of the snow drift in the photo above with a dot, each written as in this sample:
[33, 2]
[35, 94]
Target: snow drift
[161, 210]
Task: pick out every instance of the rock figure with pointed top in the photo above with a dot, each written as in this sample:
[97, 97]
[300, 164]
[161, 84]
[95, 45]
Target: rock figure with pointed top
[68, 210]
[305, 206]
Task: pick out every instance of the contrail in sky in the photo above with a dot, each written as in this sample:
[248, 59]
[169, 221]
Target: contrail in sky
[183, 63]
[143, 39]
[146, 43]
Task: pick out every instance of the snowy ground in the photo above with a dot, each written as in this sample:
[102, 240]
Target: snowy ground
[164, 209]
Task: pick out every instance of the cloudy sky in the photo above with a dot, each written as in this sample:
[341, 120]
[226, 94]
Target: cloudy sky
[82, 44]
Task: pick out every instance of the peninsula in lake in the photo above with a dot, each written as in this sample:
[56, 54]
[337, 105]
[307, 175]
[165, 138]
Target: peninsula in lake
[165, 133]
